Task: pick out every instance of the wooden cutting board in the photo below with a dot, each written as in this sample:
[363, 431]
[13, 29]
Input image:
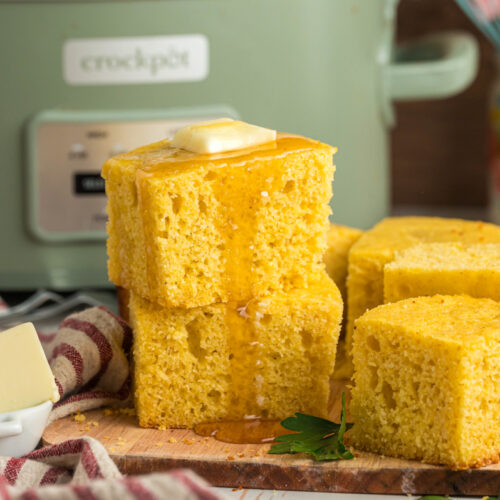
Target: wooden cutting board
[139, 451]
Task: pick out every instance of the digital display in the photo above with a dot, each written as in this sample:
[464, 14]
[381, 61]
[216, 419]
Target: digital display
[88, 183]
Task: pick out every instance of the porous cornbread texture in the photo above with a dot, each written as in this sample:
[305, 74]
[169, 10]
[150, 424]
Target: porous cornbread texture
[339, 241]
[444, 268]
[426, 373]
[271, 357]
[187, 229]
[378, 247]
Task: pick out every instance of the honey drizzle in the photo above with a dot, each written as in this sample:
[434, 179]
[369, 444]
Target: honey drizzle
[237, 231]
[244, 359]
[245, 353]
[249, 431]
[161, 158]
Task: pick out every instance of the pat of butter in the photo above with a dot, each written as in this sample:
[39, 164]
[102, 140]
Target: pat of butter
[221, 135]
[25, 375]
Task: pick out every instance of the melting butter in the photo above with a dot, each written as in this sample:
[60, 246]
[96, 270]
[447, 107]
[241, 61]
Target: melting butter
[221, 135]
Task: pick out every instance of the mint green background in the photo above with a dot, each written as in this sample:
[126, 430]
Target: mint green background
[313, 67]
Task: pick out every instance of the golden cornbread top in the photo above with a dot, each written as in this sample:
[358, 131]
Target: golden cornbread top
[458, 318]
[398, 233]
[448, 256]
[161, 159]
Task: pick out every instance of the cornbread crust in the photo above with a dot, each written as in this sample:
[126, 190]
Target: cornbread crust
[262, 212]
[426, 374]
[377, 247]
[444, 268]
[269, 357]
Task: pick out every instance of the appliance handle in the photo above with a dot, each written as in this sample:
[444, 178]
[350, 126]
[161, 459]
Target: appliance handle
[432, 67]
[10, 427]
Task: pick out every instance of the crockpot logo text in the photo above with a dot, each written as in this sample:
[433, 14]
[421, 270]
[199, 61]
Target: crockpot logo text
[171, 59]
[135, 60]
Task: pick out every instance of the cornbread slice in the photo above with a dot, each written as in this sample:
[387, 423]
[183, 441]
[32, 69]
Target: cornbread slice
[339, 241]
[444, 268]
[269, 357]
[262, 213]
[377, 247]
[426, 373]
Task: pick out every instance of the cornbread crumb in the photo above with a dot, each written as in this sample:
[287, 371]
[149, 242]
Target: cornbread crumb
[80, 418]
[127, 411]
[262, 212]
[426, 374]
[108, 412]
[224, 366]
[172, 440]
[188, 441]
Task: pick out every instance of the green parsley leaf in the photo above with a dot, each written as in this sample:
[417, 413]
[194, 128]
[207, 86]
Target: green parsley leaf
[321, 438]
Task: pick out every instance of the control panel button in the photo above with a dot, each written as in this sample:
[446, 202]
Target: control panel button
[77, 150]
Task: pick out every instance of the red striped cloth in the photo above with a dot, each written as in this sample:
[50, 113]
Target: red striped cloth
[89, 358]
[81, 469]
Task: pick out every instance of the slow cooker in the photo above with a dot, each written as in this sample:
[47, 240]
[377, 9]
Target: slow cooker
[83, 80]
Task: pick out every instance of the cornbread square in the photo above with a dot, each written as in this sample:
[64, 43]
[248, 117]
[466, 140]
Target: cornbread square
[270, 357]
[377, 247]
[426, 373]
[339, 241]
[189, 229]
[444, 268]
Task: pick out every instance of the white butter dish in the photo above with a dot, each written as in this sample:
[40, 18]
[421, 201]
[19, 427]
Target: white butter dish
[21, 430]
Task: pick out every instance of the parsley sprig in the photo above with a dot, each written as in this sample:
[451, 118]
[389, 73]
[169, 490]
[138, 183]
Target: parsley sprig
[321, 438]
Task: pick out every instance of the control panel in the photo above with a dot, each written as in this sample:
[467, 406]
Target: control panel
[66, 197]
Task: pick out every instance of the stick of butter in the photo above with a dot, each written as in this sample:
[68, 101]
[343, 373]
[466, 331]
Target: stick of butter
[25, 375]
[221, 135]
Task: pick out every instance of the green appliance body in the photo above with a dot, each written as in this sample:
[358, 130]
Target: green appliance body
[84, 80]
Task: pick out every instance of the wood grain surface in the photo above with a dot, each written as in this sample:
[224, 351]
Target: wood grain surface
[139, 451]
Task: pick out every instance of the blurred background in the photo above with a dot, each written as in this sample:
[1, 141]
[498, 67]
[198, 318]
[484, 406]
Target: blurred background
[403, 88]
[440, 149]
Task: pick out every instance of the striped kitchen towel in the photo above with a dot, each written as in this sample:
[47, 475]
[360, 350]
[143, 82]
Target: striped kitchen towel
[89, 358]
[81, 469]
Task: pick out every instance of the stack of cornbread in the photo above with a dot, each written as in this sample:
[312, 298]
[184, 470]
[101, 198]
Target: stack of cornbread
[427, 368]
[217, 238]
